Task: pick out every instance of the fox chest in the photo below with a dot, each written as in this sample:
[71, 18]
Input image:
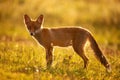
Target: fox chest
[41, 40]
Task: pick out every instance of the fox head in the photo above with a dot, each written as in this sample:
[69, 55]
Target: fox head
[33, 26]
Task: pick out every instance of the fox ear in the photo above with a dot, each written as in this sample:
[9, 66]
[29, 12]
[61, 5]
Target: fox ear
[27, 18]
[40, 19]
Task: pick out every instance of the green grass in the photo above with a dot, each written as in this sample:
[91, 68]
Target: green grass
[21, 58]
[19, 61]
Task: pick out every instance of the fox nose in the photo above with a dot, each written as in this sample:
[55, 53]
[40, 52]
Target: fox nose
[32, 34]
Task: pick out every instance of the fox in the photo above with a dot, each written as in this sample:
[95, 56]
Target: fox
[63, 37]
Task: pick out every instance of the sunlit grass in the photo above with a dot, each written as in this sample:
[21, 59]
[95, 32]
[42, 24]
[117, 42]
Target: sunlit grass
[22, 61]
[21, 58]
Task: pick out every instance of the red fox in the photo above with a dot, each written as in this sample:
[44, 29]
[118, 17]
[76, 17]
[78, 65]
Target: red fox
[63, 37]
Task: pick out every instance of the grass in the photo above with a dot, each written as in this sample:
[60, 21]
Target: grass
[22, 62]
[21, 58]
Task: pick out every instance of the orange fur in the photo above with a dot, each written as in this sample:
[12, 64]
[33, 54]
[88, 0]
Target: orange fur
[71, 36]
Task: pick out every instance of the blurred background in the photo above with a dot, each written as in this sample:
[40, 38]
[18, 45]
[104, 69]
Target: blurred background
[101, 17]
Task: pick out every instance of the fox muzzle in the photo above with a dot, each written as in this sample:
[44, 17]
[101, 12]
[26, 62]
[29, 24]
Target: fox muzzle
[32, 33]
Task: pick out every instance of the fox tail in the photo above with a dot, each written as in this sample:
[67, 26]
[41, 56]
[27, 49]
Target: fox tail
[99, 55]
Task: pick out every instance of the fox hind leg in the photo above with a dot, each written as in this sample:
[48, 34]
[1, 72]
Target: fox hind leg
[78, 47]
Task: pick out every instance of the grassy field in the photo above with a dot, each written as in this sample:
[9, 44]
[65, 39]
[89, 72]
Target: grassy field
[21, 58]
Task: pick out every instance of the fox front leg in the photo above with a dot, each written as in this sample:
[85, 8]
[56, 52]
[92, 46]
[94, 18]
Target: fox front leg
[49, 56]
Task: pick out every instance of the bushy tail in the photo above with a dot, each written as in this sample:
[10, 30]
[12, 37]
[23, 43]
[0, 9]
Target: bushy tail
[98, 53]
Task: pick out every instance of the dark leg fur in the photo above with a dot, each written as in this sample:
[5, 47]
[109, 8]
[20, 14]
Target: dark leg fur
[78, 47]
[49, 56]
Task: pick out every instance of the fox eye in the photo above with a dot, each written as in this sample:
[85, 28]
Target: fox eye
[29, 28]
